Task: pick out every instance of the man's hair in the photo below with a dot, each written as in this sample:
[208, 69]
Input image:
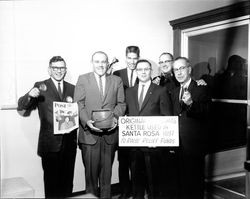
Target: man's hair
[169, 54]
[142, 61]
[133, 49]
[183, 58]
[56, 59]
[101, 52]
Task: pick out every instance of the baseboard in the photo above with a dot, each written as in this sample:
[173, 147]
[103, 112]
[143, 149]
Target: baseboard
[225, 163]
[227, 176]
[233, 187]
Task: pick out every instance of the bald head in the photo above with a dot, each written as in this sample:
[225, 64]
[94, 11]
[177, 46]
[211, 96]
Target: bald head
[100, 63]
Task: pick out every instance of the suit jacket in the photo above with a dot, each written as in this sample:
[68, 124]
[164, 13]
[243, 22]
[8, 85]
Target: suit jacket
[168, 81]
[155, 103]
[87, 95]
[192, 119]
[48, 142]
[123, 74]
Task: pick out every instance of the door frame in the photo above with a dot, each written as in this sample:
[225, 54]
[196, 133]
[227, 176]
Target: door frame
[227, 16]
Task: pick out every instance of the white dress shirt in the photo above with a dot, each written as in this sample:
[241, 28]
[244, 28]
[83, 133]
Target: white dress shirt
[103, 79]
[146, 86]
[129, 76]
[56, 84]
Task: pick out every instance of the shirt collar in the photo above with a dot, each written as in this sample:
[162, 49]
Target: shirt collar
[129, 70]
[97, 76]
[56, 82]
[186, 85]
[147, 84]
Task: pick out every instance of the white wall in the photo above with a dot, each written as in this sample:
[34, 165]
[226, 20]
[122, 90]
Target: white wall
[31, 32]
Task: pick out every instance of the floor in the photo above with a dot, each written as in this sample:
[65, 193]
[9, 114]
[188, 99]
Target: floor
[236, 187]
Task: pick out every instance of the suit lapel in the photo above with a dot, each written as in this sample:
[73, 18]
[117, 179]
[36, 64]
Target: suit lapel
[176, 100]
[135, 96]
[191, 86]
[65, 90]
[125, 77]
[94, 85]
[107, 87]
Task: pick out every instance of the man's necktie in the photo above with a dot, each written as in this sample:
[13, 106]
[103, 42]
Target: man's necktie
[181, 93]
[101, 86]
[141, 97]
[60, 91]
[131, 79]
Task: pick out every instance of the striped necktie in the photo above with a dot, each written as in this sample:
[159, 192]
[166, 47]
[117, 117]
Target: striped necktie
[181, 93]
[141, 97]
[131, 79]
[60, 90]
[101, 86]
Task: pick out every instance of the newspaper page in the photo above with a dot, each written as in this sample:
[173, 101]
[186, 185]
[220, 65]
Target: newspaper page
[65, 117]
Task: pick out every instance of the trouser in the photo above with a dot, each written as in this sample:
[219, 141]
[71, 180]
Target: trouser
[58, 170]
[98, 160]
[124, 170]
[170, 179]
[192, 178]
[146, 172]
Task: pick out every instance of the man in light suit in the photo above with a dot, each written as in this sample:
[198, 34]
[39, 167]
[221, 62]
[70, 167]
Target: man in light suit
[146, 99]
[58, 152]
[191, 103]
[129, 79]
[96, 90]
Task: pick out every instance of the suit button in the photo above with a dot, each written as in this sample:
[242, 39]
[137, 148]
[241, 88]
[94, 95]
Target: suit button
[180, 114]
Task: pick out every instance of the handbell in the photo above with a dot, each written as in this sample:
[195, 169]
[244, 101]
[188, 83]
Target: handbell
[42, 87]
[103, 118]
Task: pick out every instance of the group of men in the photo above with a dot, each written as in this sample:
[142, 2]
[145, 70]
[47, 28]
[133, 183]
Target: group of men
[159, 172]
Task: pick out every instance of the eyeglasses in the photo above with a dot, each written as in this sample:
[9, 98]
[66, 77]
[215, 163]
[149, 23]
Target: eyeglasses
[143, 69]
[132, 58]
[100, 62]
[182, 68]
[63, 69]
[164, 62]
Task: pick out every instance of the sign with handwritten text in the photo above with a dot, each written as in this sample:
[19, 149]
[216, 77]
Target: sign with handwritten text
[148, 131]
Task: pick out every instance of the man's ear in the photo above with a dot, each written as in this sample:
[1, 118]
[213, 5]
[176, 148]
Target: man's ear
[190, 70]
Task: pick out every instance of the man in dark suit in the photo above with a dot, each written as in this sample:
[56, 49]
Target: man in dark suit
[129, 79]
[128, 74]
[169, 157]
[146, 99]
[57, 151]
[166, 77]
[191, 103]
[96, 90]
